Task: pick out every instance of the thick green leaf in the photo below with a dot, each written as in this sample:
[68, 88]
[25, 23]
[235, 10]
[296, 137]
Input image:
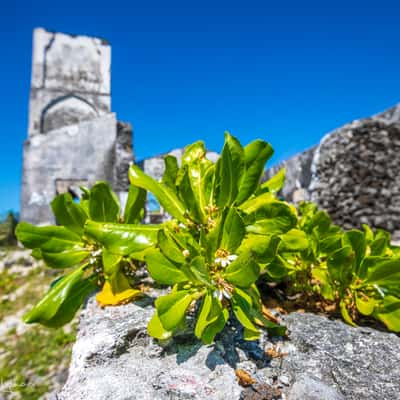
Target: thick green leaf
[365, 305]
[171, 309]
[276, 182]
[134, 208]
[325, 286]
[165, 196]
[122, 239]
[217, 326]
[389, 314]
[208, 185]
[277, 269]
[198, 172]
[321, 221]
[264, 247]
[111, 266]
[48, 238]
[68, 213]
[103, 203]
[369, 264]
[230, 171]
[205, 317]
[188, 197]
[242, 305]
[244, 271]
[271, 217]
[200, 271]
[356, 240]
[211, 319]
[385, 273]
[162, 270]
[253, 204]
[279, 219]
[330, 243]
[73, 302]
[294, 240]
[62, 301]
[170, 248]
[339, 264]
[380, 243]
[256, 155]
[345, 313]
[171, 172]
[233, 231]
[66, 258]
[156, 330]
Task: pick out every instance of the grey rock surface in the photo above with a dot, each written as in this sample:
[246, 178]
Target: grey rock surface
[353, 173]
[322, 359]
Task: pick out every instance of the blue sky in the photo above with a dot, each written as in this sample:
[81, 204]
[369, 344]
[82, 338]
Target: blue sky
[287, 72]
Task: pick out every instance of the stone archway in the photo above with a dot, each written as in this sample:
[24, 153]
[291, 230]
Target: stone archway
[64, 111]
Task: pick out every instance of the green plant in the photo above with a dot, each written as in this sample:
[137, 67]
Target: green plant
[358, 271]
[91, 238]
[226, 228]
[227, 232]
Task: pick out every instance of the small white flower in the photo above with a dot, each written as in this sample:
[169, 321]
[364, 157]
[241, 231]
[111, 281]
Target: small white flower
[185, 253]
[218, 295]
[225, 261]
[96, 253]
[221, 293]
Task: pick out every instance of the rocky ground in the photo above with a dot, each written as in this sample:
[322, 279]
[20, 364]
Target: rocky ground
[321, 359]
[33, 360]
[113, 357]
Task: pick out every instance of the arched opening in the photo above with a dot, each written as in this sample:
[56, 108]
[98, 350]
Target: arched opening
[64, 111]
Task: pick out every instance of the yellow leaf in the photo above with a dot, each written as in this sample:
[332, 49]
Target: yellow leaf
[107, 298]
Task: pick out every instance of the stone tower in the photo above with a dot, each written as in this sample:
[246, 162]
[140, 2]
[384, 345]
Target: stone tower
[74, 138]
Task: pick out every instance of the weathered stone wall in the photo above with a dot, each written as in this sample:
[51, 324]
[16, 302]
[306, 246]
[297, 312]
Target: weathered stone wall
[354, 173]
[70, 156]
[70, 80]
[74, 139]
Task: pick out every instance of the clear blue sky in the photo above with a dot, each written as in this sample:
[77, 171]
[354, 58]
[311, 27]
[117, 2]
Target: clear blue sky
[287, 71]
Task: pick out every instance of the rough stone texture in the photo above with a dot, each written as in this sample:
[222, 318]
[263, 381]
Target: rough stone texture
[74, 139]
[354, 173]
[322, 359]
[67, 157]
[70, 80]
[298, 175]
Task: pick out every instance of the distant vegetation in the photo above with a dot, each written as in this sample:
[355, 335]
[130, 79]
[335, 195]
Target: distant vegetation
[7, 229]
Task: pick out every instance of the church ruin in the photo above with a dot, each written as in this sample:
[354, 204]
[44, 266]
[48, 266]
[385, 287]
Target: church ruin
[74, 137]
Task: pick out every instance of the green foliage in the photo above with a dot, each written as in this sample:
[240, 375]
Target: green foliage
[94, 245]
[358, 270]
[211, 252]
[227, 232]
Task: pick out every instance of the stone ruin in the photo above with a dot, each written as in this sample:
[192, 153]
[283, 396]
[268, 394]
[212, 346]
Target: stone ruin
[75, 139]
[353, 173]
